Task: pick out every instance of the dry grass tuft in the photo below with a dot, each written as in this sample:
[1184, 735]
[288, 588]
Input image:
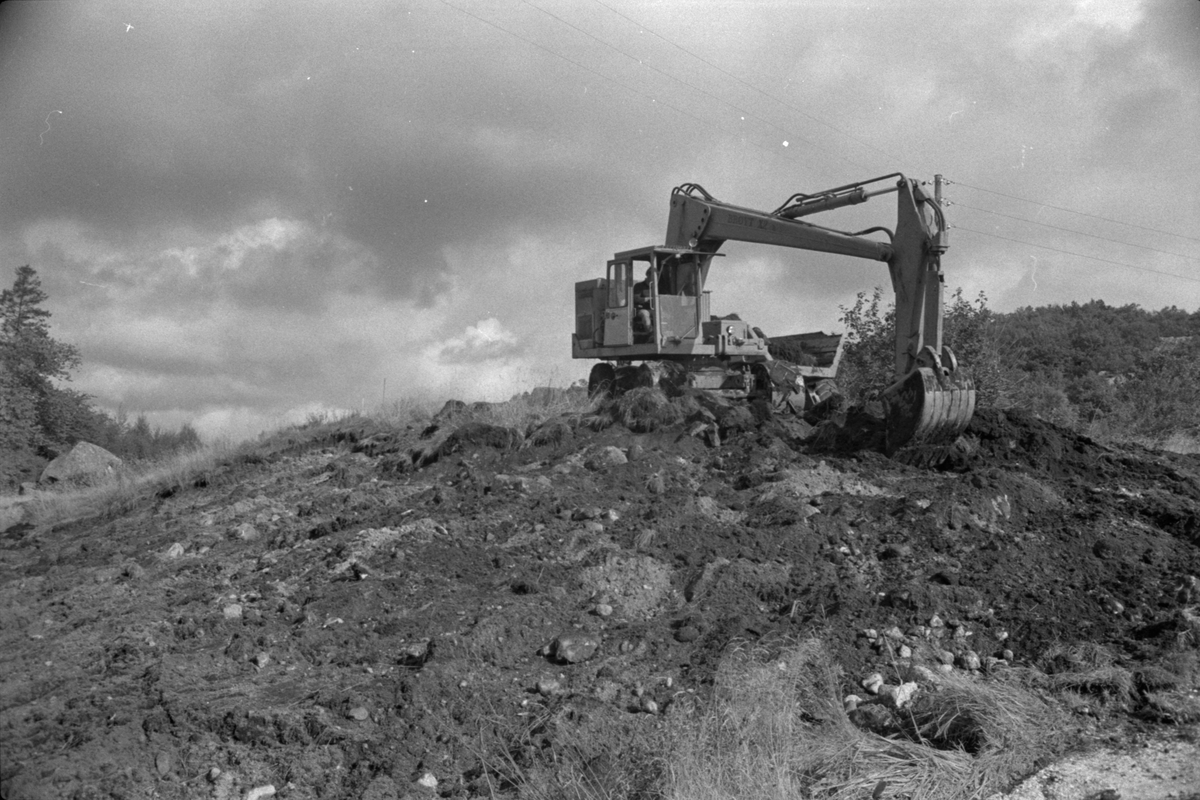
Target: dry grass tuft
[128, 487]
[646, 409]
[776, 729]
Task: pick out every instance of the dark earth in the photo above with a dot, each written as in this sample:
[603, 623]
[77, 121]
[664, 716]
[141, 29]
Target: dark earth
[466, 609]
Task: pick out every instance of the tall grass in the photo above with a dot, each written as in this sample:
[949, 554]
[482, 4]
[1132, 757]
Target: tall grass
[776, 729]
[128, 486]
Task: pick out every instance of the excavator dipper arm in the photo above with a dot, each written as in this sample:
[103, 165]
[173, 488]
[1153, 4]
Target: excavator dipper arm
[929, 400]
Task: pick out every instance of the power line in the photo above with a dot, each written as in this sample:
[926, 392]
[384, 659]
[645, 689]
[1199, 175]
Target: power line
[893, 158]
[1080, 255]
[601, 75]
[1072, 211]
[705, 121]
[653, 68]
[870, 146]
[1071, 230]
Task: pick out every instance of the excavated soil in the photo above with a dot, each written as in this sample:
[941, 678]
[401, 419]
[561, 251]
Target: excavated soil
[350, 611]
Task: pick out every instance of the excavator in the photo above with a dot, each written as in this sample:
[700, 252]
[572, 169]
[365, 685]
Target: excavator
[648, 320]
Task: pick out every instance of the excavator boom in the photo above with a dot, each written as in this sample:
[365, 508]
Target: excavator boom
[930, 401]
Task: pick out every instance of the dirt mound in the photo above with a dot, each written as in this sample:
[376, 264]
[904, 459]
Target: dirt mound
[366, 611]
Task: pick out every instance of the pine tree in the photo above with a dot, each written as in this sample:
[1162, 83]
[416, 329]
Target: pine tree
[33, 410]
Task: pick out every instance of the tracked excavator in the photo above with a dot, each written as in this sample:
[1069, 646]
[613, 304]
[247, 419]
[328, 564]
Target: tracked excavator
[648, 320]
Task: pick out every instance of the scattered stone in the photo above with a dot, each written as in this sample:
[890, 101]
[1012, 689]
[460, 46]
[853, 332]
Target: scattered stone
[261, 660]
[970, 660]
[648, 704]
[162, 763]
[904, 651]
[213, 774]
[174, 551]
[260, 792]
[850, 702]
[27, 488]
[414, 654]
[626, 646]
[635, 452]
[945, 668]
[232, 611]
[897, 697]
[428, 781]
[359, 713]
[245, 532]
[872, 682]
[688, 633]
[1008, 655]
[936, 622]
[575, 647]
[894, 633]
[607, 457]
[548, 687]
[604, 610]
[945, 657]
[655, 484]
[892, 551]
[587, 513]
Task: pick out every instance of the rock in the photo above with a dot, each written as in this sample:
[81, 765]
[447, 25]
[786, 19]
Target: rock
[174, 551]
[162, 763]
[85, 464]
[575, 647]
[936, 622]
[358, 713]
[587, 513]
[895, 551]
[945, 657]
[850, 702]
[970, 660]
[688, 633]
[548, 687]
[1008, 655]
[648, 704]
[604, 610]
[655, 484]
[872, 682]
[232, 611]
[261, 660]
[11, 516]
[904, 651]
[27, 488]
[245, 531]
[213, 774]
[894, 633]
[260, 792]
[428, 781]
[897, 697]
[635, 452]
[606, 457]
[414, 654]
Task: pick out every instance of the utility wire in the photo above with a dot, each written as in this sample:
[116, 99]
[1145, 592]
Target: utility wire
[1071, 230]
[601, 75]
[1072, 211]
[1080, 255]
[892, 157]
[870, 146]
[669, 76]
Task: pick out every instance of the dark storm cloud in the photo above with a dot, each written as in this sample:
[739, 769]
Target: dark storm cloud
[363, 122]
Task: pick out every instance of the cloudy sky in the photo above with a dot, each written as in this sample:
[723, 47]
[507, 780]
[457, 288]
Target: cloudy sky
[247, 211]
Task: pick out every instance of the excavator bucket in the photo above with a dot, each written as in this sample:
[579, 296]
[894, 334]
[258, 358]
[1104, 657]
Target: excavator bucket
[925, 413]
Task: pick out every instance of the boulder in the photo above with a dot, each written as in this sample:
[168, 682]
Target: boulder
[85, 464]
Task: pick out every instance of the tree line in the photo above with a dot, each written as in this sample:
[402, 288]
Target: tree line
[41, 416]
[1113, 372]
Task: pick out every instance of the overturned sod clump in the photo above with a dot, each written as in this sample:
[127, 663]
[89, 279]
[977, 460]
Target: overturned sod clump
[776, 728]
[646, 409]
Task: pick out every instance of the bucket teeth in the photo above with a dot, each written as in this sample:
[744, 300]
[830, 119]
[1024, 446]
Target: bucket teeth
[927, 409]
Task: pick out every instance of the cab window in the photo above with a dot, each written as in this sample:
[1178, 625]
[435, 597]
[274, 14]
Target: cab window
[618, 284]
